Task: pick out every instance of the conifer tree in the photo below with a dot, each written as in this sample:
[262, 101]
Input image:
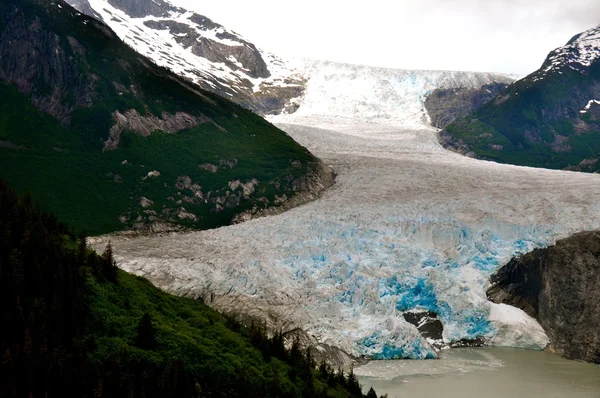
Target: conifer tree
[371, 393]
[146, 333]
[109, 265]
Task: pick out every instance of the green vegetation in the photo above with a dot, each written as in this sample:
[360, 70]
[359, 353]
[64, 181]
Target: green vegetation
[536, 123]
[60, 160]
[74, 325]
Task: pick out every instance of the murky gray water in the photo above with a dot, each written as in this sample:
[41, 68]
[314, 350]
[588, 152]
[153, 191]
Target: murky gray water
[484, 372]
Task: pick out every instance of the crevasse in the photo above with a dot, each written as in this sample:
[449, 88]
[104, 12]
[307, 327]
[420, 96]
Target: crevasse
[407, 226]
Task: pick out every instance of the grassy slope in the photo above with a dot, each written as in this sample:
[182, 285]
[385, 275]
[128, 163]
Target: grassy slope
[512, 123]
[64, 167]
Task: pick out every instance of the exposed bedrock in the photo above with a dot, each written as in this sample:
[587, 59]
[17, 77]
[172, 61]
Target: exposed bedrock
[30, 54]
[446, 105]
[560, 286]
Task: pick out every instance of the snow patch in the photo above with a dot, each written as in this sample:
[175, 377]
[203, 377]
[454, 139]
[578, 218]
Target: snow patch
[589, 105]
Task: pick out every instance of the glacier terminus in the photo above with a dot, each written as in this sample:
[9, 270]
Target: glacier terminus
[408, 226]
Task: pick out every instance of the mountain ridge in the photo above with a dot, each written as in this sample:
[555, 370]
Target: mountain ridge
[193, 46]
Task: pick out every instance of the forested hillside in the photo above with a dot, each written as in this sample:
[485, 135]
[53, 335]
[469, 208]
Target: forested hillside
[73, 324]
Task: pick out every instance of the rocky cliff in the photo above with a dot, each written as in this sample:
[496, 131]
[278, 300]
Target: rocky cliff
[446, 105]
[560, 286]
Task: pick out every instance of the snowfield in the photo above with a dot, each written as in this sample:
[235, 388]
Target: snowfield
[408, 225]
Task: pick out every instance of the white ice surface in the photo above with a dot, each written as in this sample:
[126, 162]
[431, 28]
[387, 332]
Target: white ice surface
[342, 93]
[514, 328]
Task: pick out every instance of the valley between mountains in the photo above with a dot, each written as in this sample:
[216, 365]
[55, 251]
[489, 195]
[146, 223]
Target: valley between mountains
[263, 222]
[408, 226]
[407, 238]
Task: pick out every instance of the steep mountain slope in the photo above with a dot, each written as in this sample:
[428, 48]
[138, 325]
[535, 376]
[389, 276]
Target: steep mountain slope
[560, 286]
[193, 46]
[550, 118]
[108, 140]
[73, 325]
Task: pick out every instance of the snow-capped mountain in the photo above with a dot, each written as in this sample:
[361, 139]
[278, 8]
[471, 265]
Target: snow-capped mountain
[550, 118]
[578, 54]
[222, 61]
[201, 50]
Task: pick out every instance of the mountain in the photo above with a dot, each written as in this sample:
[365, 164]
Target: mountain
[559, 286]
[550, 118]
[195, 47]
[109, 141]
[222, 61]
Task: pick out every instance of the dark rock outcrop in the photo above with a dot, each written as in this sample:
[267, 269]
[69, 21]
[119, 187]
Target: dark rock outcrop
[431, 328]
[244, 52]
[142, 8]
[429, 325]
[560, 286]
[446, 105]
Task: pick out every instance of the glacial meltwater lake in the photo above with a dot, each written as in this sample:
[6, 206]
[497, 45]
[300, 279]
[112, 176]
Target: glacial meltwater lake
[484, 373]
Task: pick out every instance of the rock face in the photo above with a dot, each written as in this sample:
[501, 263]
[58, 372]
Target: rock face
[550, 118]
[429, 325]
[141, 8]
[305, 189]
[560, 286]
[30, 55]
[145, 125]
[320, 352]
[446, 105]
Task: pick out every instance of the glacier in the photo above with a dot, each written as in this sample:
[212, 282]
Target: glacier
[408, 225]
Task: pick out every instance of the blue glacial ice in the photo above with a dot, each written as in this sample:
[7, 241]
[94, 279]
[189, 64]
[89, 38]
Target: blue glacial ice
[407, 226]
